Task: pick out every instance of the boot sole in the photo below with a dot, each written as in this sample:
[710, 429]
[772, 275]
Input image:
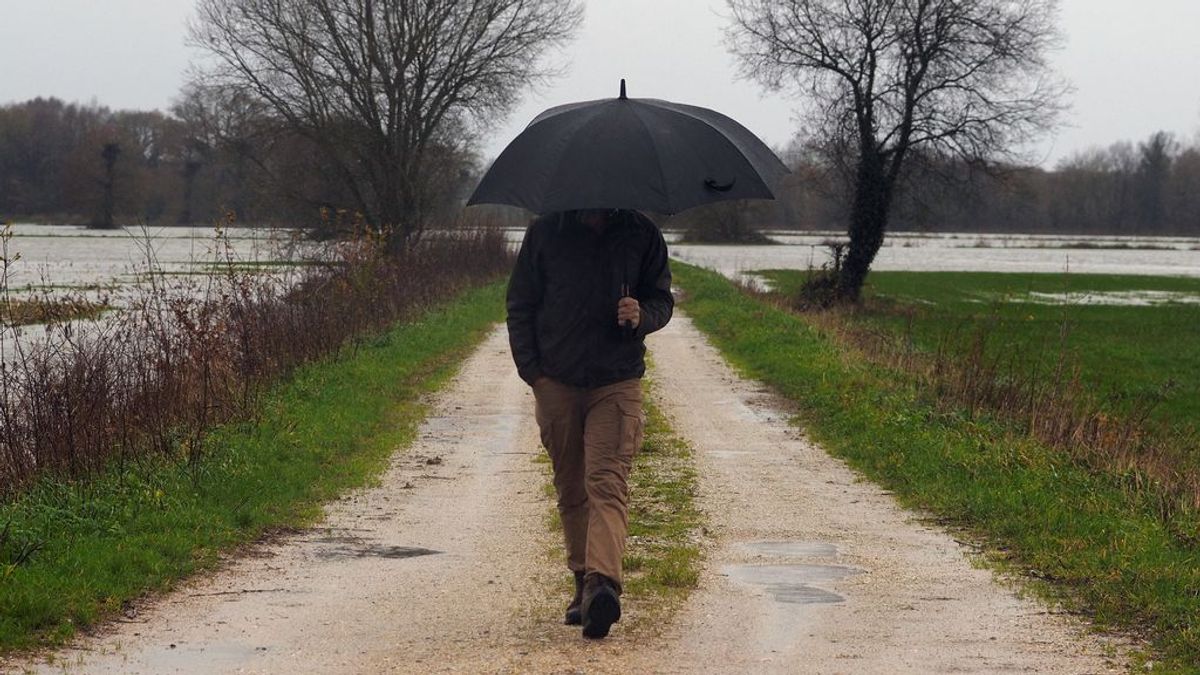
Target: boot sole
[603, 612]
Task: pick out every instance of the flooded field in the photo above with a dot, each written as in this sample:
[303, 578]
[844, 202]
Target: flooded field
[111, 268]
[70, 258]
[1165, 256]
[961, 252]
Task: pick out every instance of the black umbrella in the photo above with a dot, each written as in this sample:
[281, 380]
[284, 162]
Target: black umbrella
[628, 153]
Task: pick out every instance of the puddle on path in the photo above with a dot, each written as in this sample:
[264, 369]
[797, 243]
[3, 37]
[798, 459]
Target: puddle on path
[793, 584]
[794, 549]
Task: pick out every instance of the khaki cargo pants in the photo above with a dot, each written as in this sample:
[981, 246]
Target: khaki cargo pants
[592, 436]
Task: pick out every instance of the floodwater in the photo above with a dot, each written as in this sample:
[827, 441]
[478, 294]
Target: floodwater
[1112, 298]
[1160, 256]
[61, 257]
[54, 257]
[102, 265]
[953, 252]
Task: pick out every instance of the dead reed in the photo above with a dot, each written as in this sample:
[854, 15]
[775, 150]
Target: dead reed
[184, 354]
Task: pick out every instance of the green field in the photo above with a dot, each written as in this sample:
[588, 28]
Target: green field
[72, 554]
[1126, 355]
[1100, 542]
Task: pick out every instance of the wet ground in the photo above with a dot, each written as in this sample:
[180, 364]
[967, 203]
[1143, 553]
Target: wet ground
[421, 572]
[443, 567]
[813, 570]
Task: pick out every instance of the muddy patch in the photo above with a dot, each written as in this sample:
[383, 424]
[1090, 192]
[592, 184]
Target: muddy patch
[336, 546]
[374, 551]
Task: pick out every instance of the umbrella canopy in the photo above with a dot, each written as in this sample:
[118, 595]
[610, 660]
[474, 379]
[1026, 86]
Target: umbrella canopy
[628, 153]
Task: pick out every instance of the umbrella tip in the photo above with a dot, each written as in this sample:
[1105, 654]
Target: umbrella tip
[623, 96]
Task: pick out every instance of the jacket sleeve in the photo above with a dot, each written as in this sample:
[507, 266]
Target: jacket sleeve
[524, 299]
[654, 290]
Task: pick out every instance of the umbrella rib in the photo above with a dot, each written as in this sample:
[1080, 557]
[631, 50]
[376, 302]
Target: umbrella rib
[662, 177]
[686, 110]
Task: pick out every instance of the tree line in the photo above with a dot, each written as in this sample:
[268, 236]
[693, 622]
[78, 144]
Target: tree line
[313, 108]
[1149, 188]
[320, 113]
[210, 157]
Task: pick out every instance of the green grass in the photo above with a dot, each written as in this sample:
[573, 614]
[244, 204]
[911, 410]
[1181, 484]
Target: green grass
[1126, 355]
[662, 555]
[662, 558]
[1094, 541]
[139, 528]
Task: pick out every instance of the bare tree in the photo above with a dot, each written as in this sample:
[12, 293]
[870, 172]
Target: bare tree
[383, 87]
[967, 78]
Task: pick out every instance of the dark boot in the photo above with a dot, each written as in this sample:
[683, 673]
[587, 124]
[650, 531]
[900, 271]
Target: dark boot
[574, 616]
[601, 606]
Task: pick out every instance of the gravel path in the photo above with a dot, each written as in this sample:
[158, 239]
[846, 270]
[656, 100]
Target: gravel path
[816, 571]
[444, 568]
[422, 573]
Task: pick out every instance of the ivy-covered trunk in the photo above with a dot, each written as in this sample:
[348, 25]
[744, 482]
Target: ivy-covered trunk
[868, 222]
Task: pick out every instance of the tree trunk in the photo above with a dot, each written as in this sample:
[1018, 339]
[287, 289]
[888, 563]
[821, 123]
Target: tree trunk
[404, 212]
[868, 220]
[108, 200]
[190, 169]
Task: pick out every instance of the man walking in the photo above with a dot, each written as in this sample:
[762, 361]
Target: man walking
[587, 288]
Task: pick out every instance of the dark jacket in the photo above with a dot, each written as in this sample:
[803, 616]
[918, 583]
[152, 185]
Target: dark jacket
[563, 294]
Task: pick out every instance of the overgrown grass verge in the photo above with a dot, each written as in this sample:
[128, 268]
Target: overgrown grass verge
[1095, 541]
[663, 553]
[74, 553]
[186, 355]
[1114, 386]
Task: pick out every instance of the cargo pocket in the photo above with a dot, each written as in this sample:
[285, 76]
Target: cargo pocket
[633, 422]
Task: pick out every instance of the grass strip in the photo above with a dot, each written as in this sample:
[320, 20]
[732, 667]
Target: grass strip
[662, 554]
[1092, 541]
[73, 554]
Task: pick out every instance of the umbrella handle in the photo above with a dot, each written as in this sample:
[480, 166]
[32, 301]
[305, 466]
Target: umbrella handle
[626, 325]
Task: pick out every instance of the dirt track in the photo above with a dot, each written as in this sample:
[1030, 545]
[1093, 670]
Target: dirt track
[443, 566]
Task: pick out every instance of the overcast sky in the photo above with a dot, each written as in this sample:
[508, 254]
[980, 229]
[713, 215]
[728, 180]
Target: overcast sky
[1135, 64]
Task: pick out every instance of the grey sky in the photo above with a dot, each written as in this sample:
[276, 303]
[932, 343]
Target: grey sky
[1135, 65]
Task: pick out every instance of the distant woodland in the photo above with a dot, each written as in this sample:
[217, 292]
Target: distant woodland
[212, 156]
[1134, 189]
